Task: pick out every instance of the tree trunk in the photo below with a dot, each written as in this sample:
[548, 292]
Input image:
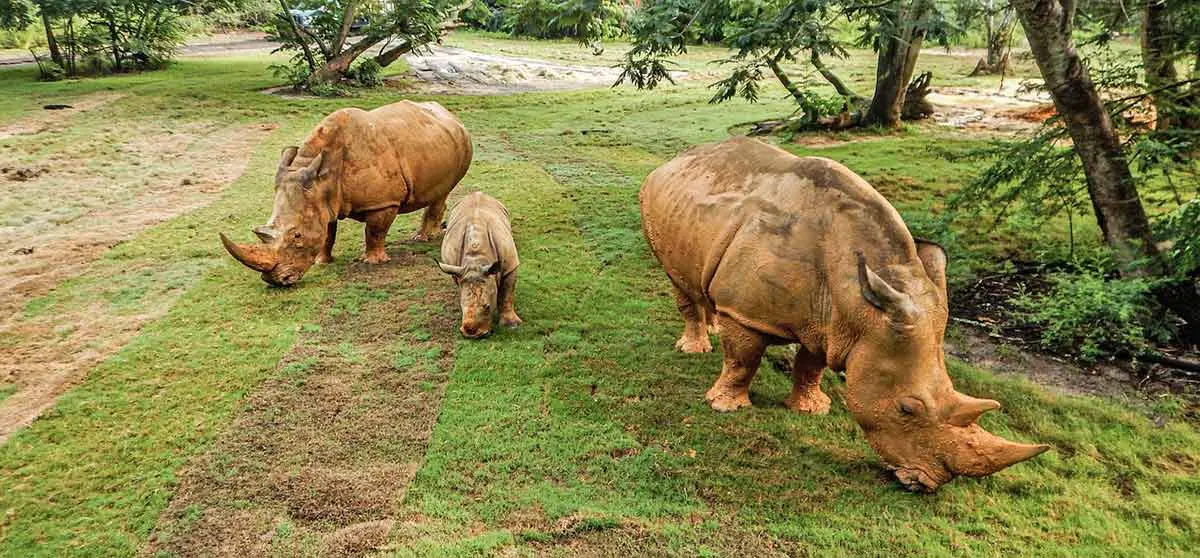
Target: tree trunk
[335, 68]
[834, 80]
[114, 41]
[308, 56]
[1110, 184]
[344, 31]
[810, 112]
[896, 63]
[1159, 61]
[391, 55]
[998, 37]
[51, 42]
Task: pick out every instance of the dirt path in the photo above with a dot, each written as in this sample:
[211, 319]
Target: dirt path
[61, 214]
[320, 459]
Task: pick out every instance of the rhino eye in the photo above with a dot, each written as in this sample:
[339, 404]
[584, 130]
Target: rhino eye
[910, 406]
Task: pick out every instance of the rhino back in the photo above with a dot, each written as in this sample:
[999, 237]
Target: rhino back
[768, 237]
[403, 155]
[478, 231]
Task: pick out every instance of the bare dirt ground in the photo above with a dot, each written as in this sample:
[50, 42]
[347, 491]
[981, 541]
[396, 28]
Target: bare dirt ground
[60, 212]
[456, 71]
[320, 458]
[1007, 109]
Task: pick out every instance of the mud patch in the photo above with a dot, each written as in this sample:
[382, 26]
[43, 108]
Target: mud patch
[324, 451]
[456, 71]
[75, 193]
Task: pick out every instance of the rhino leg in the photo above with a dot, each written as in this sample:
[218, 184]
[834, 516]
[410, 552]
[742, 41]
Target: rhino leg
[508, 291]
[431, 222]
[695, 324]
[743, 350]
[326, 254]
[806, 396]
[378, 222]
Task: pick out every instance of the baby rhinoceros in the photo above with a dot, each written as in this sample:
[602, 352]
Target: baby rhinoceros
[479, 252]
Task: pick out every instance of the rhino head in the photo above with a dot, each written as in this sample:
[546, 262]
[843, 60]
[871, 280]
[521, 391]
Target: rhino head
[476, 296]
[291, 239]
[900, 393]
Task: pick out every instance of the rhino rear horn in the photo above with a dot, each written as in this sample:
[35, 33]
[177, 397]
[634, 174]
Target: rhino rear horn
[898, 306]
[312, 170]
[257, 257]
[967, 409]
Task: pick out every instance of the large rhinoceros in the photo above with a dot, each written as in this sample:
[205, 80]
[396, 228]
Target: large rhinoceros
[368, 166]
[787, 249]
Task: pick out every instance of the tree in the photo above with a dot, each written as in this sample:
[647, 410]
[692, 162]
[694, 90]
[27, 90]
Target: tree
[326, 48]
[769, 33]
[1171, 31]
[999, 21]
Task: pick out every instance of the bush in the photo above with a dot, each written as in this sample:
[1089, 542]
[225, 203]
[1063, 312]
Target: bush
[367, 73]
[1089, 316]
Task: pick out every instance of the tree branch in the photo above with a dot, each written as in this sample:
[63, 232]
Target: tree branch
[834, 80]
[308, 56]
[344, 30]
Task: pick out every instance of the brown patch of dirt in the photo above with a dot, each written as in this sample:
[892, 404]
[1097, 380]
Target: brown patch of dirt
[43, 121]
[56, 222]
[331, 442]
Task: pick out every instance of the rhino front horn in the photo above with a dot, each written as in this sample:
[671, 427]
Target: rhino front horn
[256, 257]
[982, 453]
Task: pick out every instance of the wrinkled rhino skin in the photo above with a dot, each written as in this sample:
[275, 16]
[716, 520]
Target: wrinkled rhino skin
[479, 252]
[364, 165]
[777, 249]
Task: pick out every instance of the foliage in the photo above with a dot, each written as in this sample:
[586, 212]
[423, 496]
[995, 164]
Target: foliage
[1091, 316]
[367, 73]
[323, 42]
[549, 19]
[1180, 232]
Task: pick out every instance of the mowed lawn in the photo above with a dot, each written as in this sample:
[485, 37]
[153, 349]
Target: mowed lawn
[581, 433]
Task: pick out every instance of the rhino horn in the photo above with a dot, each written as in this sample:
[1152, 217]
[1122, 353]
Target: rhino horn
[967, 409]
[256, 257]
[285, 160]
[268, 235]
[980, 453]
[455, 270]
[898, 306]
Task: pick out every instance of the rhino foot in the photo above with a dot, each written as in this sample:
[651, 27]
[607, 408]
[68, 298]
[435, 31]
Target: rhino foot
[723, 400]
[375, 258]
[812, 402]
[323, 259]
[511, 321]
[701, 345]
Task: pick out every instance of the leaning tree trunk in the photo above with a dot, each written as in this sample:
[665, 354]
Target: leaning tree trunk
[895, 66]
[51, 41]
[335, 68]
[1110, 184]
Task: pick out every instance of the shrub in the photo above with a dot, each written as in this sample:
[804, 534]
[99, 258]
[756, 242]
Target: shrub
[1089, 316]
[367, 73]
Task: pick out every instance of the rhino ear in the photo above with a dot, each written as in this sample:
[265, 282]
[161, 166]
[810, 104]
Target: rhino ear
[285, 160]
[933, 258]
[491, 269]
[312, 170]
[897, 305]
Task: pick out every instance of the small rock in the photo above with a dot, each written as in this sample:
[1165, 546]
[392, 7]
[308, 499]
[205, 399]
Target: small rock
[23, 251]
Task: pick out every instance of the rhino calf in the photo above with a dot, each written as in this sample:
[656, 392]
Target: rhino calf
[478, 251]
[785, 249]
[364, 165]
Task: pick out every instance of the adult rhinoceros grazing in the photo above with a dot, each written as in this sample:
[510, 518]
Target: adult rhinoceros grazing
[368, 166]
[785, 249]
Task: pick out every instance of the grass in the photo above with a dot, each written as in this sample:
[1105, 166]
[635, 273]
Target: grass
[580, 433]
